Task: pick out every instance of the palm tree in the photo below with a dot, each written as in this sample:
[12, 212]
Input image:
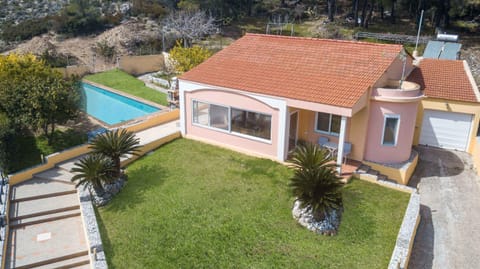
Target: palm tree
[315, 182]
[93, 169]
[116, 144]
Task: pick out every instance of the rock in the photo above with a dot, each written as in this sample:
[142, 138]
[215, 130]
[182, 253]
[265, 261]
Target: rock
[328, 226]
[110, 190]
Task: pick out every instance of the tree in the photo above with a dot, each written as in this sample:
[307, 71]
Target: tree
[190, 25]
[79, 17]
[16, 75]
[315, 182]
[34, 95]
[355, 12]
[188, 5]
[185, 59]
[115, 145]
[5, 135]
[331, 9]
[94, 169]
[53, 100]
[106, 50]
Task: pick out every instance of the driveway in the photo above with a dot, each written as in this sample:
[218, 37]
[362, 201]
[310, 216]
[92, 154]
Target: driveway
[449, 230]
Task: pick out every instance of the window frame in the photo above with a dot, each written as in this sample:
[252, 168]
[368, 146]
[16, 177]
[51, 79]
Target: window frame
[229, 130]
[397, 128]
[251, 111]
[209, 119]
[329, 124]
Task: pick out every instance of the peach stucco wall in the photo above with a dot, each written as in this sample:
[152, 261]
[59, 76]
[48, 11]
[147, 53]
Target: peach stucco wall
[377, 152]
[355, 133]
[236, 100]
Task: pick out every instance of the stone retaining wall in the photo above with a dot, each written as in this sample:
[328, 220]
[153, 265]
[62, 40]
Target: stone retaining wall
[92, 233]
[406, 235]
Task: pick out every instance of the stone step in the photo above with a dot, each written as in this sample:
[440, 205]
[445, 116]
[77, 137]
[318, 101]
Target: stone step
[43, 196]
[363, 169]
[68, 165]
[382, 177]
[55, 203]
[37, 187]
[373, 172]
[51, 262]
[76, 262]
[50, 216]
[56, 174]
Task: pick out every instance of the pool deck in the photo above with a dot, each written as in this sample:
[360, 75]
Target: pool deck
[46, 225]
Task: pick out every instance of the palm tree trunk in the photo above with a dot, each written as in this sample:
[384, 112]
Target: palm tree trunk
[117, 165]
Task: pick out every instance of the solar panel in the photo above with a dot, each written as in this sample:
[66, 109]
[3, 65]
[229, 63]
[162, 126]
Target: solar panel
[433, 49]
[450, 51]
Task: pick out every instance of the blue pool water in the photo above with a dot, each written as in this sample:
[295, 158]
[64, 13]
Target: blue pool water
[112, 108]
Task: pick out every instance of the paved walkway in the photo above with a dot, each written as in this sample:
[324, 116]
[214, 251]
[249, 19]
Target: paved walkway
[46, 227]
[449, 230]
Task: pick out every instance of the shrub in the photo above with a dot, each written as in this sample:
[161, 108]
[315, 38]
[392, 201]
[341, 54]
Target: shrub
[315, 182]
[187, 58]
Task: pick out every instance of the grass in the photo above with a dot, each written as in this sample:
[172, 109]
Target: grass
[192, 205]
[124, 82]
[29, 148]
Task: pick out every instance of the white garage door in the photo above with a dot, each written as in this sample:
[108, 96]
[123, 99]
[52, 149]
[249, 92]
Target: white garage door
[447, 130]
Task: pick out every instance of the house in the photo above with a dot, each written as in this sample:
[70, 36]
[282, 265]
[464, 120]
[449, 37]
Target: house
[264, 93]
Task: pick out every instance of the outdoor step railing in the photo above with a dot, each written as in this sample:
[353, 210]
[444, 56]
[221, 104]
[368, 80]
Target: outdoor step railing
[4, 188]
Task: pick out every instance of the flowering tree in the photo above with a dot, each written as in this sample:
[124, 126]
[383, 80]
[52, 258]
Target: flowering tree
[185, 59]
[189, 25]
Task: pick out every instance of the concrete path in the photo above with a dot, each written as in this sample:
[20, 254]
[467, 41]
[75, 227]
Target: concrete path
[449, 231]
[46, 227]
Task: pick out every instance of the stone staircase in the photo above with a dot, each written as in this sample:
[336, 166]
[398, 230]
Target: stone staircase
[46, 229]
[366, 171]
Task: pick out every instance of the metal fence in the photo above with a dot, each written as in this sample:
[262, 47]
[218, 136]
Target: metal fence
[4, 188]
[393, 37]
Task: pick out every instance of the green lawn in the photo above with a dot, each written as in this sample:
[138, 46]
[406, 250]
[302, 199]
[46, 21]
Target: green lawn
[124, 82]
[192, 205]
[29, 148]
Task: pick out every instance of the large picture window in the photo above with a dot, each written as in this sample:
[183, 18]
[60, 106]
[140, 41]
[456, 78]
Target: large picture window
[390, 130]
[200, 113]
[328, 123]
[210, 115]
[233, 120]
[251, 123]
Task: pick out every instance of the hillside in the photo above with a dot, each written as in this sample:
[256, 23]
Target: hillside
[123, 38]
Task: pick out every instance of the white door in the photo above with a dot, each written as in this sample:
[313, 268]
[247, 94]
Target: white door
[447, 130]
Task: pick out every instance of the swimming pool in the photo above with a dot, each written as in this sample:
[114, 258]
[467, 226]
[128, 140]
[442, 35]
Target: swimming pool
[110, 107]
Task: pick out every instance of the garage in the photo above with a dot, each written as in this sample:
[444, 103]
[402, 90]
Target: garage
[447, 130]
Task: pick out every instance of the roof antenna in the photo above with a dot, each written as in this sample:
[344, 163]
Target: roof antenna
[415, 52]
[403, 57]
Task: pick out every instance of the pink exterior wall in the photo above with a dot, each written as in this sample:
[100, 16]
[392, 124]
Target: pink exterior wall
[377, 152]
[223, 137]
[394, 71]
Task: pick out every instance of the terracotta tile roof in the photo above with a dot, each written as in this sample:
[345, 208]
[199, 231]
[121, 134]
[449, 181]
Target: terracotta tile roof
[444, 79]
[324, 71]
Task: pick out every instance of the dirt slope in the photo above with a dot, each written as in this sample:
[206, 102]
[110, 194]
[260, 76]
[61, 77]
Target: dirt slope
[123, 37]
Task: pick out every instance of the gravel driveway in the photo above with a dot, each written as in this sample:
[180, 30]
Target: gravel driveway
[449, 232]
